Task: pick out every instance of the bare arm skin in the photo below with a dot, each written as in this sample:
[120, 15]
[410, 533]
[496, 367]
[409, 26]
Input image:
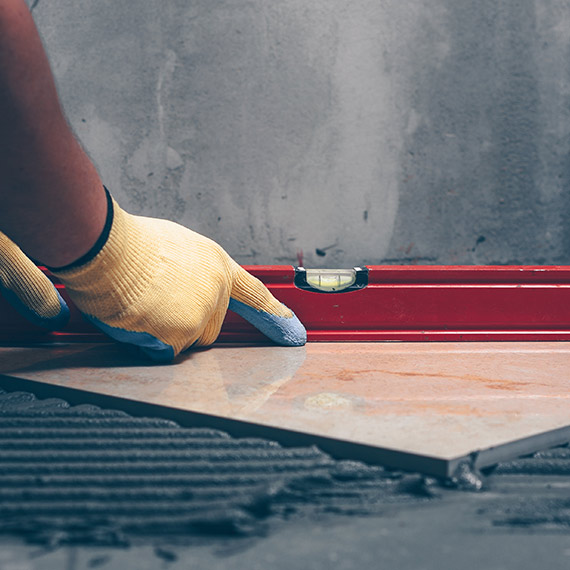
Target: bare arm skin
[52, 200]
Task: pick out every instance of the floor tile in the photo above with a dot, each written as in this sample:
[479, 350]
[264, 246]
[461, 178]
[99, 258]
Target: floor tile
[437, 400]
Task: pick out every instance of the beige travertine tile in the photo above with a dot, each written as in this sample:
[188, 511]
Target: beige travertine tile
[439, 399]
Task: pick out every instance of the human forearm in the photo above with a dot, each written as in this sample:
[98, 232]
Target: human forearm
[53, 202]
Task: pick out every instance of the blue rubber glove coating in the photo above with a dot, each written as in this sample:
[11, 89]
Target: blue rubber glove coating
[283, 331]
[51, 323]
[148, 344]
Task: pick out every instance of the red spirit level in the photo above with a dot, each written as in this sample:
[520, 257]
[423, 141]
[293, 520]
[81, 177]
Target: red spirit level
[384, 303]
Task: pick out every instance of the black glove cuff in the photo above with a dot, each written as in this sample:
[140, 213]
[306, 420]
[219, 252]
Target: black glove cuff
[98, 245]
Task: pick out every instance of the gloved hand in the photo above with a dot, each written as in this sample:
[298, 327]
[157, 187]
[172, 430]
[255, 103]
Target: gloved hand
[164, 288]
[28, 290]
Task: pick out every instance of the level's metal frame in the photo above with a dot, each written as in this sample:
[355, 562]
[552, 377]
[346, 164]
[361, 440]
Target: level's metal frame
[387, 303]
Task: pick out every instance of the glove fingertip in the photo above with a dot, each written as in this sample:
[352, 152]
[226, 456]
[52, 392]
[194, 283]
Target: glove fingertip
[286, 331]
[51, 323]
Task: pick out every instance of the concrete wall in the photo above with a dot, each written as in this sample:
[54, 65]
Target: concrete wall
[374, 131]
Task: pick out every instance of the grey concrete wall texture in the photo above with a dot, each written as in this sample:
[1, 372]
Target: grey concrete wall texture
[373, 131]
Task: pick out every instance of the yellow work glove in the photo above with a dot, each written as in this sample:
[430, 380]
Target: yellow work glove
[28, 290]
[164, 288]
